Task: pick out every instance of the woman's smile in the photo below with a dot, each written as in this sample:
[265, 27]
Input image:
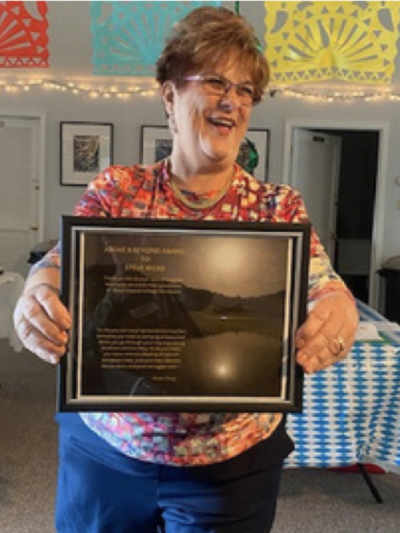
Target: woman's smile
[223, 125]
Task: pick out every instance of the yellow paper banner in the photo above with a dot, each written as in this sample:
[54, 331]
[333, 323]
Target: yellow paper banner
[314, 41]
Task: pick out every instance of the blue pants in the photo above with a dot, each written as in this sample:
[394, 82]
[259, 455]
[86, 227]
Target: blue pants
[103, 491]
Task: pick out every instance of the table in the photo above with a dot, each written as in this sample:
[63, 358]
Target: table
[11, 286]
[351, 411]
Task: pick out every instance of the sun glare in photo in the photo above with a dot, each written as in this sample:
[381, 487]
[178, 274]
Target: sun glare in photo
[248, 267]
[227, 258]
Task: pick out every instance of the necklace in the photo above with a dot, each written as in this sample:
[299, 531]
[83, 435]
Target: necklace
[197, 200]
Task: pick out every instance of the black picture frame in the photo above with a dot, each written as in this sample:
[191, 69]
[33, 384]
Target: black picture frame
[86, 148]
[156, 144]
[172, 315]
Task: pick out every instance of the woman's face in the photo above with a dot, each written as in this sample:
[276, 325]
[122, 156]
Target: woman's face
[208, 128]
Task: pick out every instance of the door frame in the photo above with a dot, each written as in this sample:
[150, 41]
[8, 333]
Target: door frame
[29, 114]
[377, 235]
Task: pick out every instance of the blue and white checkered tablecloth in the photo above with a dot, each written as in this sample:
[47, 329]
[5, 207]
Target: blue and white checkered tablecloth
[351, 411]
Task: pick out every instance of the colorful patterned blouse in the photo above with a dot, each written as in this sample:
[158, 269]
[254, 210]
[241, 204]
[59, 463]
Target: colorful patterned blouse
[146, 192]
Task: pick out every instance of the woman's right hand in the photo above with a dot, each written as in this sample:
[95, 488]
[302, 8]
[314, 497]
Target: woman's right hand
[42, 321]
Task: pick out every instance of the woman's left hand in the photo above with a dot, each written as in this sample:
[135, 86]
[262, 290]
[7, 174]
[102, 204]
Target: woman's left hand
[328, 334]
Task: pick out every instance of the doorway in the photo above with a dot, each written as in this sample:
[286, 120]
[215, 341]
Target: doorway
[21, 189]
[349, 161]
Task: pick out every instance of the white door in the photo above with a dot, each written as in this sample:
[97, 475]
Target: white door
[314, 172]
[19, 191]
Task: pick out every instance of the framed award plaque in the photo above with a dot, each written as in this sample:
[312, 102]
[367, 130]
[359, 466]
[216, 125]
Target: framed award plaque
[177, 315]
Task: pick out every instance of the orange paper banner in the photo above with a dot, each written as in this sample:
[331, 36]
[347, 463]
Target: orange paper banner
[23, 35]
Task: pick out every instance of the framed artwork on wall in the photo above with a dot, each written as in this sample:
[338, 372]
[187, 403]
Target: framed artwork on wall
[156, 144]
[86, 148]
[253, 153]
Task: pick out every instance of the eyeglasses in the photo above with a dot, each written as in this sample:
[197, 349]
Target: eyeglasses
[220, 86]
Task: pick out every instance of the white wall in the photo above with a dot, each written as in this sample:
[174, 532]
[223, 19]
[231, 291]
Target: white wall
[70, 58]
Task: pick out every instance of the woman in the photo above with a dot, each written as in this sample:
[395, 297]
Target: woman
[124, 472]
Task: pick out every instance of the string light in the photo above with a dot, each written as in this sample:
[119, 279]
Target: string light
[325, 94]
[79, 89]
[330, 95]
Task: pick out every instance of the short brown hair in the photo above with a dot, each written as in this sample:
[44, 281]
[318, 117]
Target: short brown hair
[209, 36]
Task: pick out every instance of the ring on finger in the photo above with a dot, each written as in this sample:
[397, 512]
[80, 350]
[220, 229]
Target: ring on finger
[337, 346]
[342, 344]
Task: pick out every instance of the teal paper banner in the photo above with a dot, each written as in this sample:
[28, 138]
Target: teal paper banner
[128, 37]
